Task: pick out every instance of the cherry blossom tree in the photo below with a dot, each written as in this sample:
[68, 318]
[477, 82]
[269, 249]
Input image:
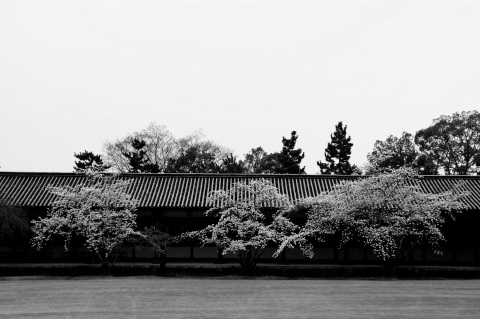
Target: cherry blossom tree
[387, 212]
[99, 210]
[322, 219]
[251, 217]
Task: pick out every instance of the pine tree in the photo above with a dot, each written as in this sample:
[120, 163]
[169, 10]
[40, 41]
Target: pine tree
[292, 157]
[287, 161]
[138, 161]
[337, 153]
[88, 160]
[231, 165]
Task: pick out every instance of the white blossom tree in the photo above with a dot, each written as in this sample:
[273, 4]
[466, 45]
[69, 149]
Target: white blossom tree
[322, 219]
[100, 211]
[387, 212]
[245, 228]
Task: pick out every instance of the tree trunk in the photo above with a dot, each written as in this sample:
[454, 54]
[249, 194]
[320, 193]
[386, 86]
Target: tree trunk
[389, 267]
[247, 262]
[106, 264]
[163, 262]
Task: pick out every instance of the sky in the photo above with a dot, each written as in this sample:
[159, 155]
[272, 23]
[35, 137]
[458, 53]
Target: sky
[74, 74]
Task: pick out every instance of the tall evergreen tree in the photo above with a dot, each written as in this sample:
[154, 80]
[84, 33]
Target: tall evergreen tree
[337, 154]
[287, 161]
[291, 157]
[138, 160]
[88, 160]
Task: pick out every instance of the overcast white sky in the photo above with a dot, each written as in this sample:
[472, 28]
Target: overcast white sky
[74, 74]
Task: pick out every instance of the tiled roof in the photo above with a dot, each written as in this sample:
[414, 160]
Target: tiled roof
[191, 190]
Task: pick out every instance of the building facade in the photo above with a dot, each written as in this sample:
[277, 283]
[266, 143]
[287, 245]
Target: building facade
[178, 202]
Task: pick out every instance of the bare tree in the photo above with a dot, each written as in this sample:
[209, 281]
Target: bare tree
[160, 146]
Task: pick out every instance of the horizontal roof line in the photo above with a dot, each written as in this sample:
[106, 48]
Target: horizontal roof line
[192, 190]
[227, 175]
[180, 174]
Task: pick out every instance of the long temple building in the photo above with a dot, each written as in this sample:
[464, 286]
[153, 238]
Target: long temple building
[178, 202]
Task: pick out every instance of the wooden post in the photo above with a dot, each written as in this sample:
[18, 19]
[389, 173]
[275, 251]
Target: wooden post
[345, 253]
[335, 254]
